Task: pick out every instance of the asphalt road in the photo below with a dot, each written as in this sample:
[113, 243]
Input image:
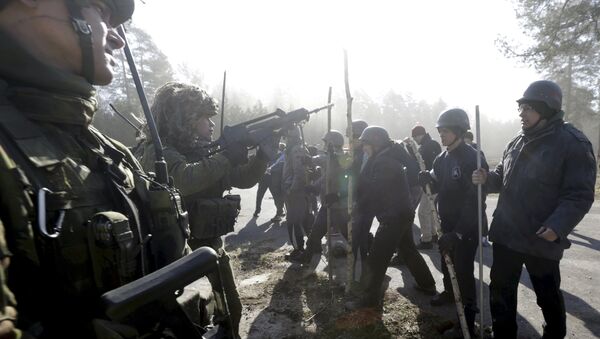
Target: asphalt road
[580, 269]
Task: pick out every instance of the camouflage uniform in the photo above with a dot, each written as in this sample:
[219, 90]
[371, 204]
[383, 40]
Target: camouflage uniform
[201, 178]
[297, 200]
[55, 165]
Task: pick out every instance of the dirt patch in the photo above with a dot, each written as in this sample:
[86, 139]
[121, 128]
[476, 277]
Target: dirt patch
[287, 301]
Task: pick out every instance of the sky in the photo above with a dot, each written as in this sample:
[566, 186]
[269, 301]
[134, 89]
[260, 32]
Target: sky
[430, 49]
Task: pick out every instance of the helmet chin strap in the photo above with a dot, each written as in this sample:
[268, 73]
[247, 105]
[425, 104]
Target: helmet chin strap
[84, 32]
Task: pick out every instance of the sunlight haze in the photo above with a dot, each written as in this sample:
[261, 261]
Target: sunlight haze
[429, 49]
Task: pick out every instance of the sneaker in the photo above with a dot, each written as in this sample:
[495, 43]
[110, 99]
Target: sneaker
[425, 245]
[429, 290]
[442, 299]
[291, 256]
[276, 219]
[397, 260]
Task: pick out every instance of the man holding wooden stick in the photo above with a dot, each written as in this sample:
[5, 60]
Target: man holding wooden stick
[458, 209]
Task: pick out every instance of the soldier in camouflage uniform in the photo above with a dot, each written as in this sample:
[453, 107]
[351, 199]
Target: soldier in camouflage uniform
[183, 116]
[294, 187]
[72, 201]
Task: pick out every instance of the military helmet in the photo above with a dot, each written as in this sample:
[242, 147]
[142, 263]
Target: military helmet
[418, 130]
[176, 105]
[358, 126]
[454, 118]
[375, 136]
[121, 10]
[544, 91]
[334, 137]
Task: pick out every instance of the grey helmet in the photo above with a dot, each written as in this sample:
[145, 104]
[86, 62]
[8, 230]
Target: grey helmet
[454, 118]
[375, 136]
[358, 126]
[334, 137]
[544, 91]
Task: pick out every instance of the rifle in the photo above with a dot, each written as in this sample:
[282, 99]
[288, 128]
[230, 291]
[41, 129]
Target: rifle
[258, 131]
[160, 287]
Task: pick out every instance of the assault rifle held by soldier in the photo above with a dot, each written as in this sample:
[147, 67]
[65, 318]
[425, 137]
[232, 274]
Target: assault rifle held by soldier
[160, 289]
[258, 131]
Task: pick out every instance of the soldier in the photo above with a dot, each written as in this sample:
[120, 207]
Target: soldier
[457, 205]
[183, 115]
[429, 149]
[383, 192]
[71, 199]
[294, 186]
[335, 201]
[546, 182]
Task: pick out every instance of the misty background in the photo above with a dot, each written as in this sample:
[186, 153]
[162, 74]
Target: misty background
[556, 40]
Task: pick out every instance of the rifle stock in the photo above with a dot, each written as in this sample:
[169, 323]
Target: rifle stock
[158, 285]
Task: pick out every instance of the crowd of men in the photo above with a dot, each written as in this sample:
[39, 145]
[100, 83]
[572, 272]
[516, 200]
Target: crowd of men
[82, 215]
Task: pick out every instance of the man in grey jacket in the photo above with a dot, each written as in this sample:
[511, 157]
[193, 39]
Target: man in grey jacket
[546, 182]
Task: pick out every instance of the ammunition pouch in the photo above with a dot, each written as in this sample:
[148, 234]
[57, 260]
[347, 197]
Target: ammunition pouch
[216, 217]
[112, 244]
[170, 227]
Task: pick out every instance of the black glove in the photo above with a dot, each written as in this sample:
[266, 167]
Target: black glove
[448, 241]
[237, 154]
[425, 178]
[330, 199]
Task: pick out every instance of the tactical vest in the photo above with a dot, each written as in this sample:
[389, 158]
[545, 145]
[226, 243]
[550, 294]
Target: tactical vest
[94, 220]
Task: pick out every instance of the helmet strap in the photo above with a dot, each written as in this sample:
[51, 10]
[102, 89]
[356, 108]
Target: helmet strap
[84, 32]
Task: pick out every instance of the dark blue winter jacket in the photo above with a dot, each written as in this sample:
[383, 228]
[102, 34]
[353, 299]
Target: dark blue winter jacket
[457, 196]
[545, 178]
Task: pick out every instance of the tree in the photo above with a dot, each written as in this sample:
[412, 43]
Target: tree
[566, 47]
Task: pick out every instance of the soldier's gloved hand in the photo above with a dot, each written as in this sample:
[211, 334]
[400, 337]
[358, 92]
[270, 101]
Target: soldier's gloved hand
[330, 199]
[425, 178]
[237, 154]
[448, 241]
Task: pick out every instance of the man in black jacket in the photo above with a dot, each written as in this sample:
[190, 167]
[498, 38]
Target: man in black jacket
[457, 205]
[429, 149]
[383, 192]
[546, 182]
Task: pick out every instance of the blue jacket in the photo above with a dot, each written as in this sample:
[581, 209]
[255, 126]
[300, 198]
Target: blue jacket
[457, 196]
[546, 179]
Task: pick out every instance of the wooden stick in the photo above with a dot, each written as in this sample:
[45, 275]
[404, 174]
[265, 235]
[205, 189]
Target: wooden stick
[330, 155]
[350, 257]
[480, 221]
[460, 309]
[223, 102]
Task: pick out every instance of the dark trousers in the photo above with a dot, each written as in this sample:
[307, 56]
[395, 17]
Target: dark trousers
[545, 278]
[378, 260]
[267, 182]
[463, 258]
[339, 220]
[414, 261]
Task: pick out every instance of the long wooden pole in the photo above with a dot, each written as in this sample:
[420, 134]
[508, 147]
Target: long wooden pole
[223, 102]
[350, 257]
[480, 222]
[460, 309]
[328, 178]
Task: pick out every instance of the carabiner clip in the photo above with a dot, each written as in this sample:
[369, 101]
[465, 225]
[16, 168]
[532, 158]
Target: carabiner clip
[41, 215]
